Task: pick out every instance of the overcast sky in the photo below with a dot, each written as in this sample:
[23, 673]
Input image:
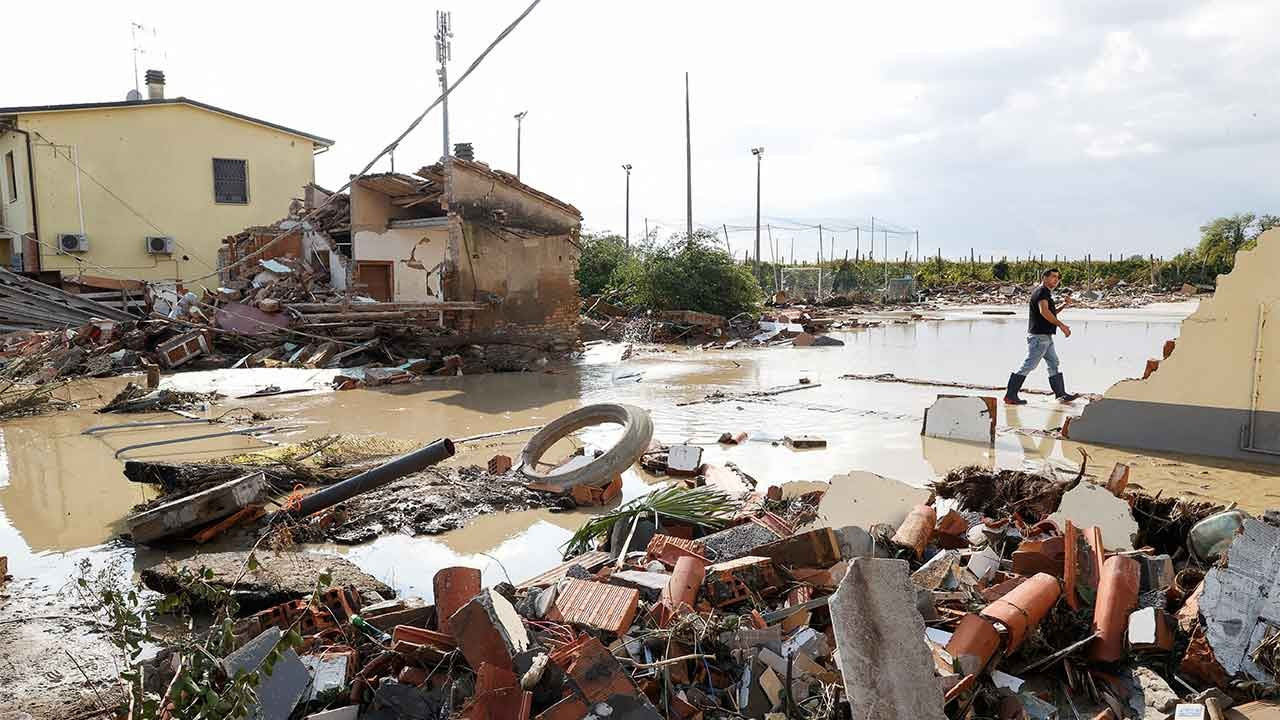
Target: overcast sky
[1008, 127]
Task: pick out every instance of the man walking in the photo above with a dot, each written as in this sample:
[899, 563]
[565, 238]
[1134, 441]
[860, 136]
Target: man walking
[1042, 325]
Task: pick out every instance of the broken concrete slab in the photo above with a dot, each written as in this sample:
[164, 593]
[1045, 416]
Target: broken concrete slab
[961, 417]
[650, 584]
[1240, 600]
[280, 576]
[804, 442]
[818, 548]
[190, 512]
[887, 668]
[865, 499]
[1087, 504]
[278, 692]
[328, 672]
[737, 541]
[684, 459]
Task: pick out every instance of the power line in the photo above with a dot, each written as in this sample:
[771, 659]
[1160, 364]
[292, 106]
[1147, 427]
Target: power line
[391, 147]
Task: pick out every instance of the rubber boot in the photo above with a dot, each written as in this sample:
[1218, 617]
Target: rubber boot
[1011, 392]
[1060, 389]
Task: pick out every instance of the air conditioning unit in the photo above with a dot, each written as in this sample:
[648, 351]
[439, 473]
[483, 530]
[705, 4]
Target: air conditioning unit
[159, 244]
[72, 243]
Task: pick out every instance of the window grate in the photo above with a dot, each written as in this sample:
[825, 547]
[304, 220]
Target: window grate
[230, 181]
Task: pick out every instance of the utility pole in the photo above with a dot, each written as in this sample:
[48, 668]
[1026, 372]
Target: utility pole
[726, 239]
[519, 118]
[857, 253]
[444, 53]
[871, 251]
[759, 153]
[793, 250]
[886, 260]
[819, 262]
[918, 248]
[627, 167]
[646, 229]
[688, 166]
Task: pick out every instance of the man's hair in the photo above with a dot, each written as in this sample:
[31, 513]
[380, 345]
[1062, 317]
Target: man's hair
[1049, 272]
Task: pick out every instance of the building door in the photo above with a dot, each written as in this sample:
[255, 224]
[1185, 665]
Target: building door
[376, 279]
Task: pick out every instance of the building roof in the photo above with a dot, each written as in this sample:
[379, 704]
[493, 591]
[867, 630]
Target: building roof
[30, 109]
[436, 172]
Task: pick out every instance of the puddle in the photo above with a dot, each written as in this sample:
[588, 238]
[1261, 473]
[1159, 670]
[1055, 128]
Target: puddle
[62, 491]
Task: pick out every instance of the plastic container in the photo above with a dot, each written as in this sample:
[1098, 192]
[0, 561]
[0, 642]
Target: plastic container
[1211, 537]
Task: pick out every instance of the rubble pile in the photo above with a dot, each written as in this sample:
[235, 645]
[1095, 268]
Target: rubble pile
[991, 595]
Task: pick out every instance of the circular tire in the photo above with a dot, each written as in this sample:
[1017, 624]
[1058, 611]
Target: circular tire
[637, 432]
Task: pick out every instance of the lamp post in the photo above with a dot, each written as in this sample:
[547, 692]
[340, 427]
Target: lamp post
[759, 153]
[519, 117]
[627, 167]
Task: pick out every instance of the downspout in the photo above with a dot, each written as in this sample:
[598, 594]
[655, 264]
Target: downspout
[31, 187]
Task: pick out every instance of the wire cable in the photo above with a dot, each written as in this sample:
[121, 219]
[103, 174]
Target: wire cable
[389, 148]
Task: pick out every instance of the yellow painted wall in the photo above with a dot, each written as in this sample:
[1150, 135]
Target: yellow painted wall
[1212, 364]
[159, 160]
[16, 216]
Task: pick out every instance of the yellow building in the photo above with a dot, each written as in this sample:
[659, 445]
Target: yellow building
[141, 189]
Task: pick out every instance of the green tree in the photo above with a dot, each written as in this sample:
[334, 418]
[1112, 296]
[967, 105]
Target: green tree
[602, 255]
[689, 273]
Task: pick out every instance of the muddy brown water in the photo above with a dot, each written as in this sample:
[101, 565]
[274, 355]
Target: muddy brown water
[62, 493]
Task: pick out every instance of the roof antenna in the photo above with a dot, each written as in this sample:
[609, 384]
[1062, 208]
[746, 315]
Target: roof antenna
[133, 30]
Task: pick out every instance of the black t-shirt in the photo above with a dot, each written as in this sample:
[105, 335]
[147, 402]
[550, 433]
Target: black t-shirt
[1036, 323]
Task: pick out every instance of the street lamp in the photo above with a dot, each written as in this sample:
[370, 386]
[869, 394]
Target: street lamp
[627, 167]
[519, 117]
[759, 153]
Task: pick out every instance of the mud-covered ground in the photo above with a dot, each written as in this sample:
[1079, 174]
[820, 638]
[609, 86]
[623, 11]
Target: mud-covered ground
[428, 503]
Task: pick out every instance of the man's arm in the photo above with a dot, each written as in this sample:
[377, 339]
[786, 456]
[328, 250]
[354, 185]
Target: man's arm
[1047, 314]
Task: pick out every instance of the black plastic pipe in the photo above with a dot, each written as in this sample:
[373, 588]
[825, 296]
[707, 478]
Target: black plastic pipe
[420, 459]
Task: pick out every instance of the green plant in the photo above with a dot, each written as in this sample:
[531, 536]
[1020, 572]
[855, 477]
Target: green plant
[602, 257]
[697, 506]
[201, 689]
[688, 273]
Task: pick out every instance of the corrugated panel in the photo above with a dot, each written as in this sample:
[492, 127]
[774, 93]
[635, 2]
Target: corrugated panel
[596, 605]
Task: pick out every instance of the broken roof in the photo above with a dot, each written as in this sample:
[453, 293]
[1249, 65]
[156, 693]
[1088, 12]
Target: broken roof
[32, 109]
[436, 173]
[404, 190]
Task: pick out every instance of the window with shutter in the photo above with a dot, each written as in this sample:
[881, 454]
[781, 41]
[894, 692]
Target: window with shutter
[230, 181]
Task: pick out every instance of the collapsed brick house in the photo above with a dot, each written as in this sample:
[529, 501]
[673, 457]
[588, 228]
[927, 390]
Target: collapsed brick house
[496, 257]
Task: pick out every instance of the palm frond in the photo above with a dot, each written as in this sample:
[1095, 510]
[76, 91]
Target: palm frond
[696, 506]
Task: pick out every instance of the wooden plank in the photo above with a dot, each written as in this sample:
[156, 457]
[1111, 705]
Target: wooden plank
[334, 308]
[190, 512]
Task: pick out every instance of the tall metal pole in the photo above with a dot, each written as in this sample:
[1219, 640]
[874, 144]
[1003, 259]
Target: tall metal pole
[444, 53]
[759, 153]
[519, 120]
[688, 166]
[886, 260]
[627, 167]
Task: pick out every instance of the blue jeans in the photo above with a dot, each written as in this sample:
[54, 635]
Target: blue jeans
[1040, 346]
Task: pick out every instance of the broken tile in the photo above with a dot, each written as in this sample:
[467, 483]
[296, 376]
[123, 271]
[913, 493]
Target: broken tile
[595, 605]
[819, 548]
[888, 672]
[650, 584]
[684, 459]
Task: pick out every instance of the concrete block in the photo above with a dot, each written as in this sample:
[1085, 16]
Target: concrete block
[888, 670]
[279, 692]
[961, 417]
[1087, 504]
[865, 499]
[684, 460]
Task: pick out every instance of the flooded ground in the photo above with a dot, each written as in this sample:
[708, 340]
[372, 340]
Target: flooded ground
[62, 493]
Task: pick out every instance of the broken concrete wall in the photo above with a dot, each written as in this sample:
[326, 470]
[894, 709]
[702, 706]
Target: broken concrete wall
[473, 190]
[417, 256]
[1227, 363]
[531, 278]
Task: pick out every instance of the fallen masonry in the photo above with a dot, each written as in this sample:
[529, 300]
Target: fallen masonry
[968, 599]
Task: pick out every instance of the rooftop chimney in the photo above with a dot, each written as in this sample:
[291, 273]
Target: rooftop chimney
[155, 84]
[464, 151]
